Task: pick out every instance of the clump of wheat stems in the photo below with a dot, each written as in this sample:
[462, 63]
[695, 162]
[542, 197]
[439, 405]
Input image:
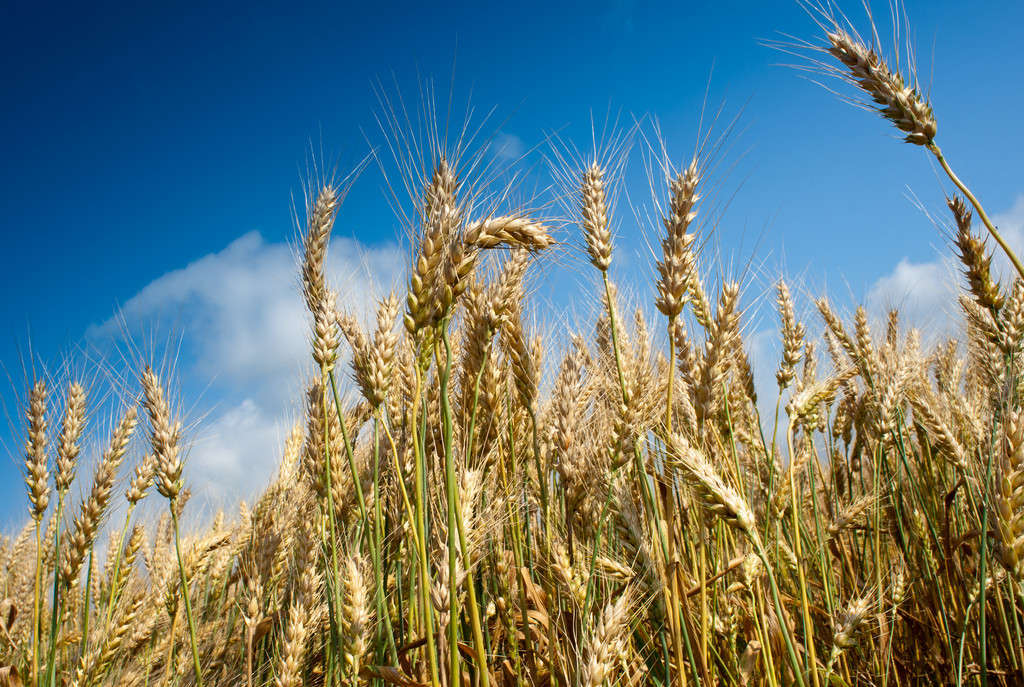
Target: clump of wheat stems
[478, 507]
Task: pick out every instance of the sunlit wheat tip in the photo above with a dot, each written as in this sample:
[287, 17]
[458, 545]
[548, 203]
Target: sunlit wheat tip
[895, 100]
[594, 214]
[975, 257]
[677, 257]
[792, 337]
[719, 497]
[321, 212]
[70, 436]
[37, 476]
[165, 436]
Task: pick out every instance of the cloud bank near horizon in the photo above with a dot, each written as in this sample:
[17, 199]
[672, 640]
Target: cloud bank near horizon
[240, 322]
[925, 293]
[243, 335]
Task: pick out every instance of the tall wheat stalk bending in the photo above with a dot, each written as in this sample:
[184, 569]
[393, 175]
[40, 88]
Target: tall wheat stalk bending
[900, 102]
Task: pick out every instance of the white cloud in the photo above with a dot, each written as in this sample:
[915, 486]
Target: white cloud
[244, 336]
[238, 451]
[924, 294]
[507, 147]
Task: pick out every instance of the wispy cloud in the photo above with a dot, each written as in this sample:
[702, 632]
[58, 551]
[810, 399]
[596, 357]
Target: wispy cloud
[507, 147]
[925, 293]
[244, 336]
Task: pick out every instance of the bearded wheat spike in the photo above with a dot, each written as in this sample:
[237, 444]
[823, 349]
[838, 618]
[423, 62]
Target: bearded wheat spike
[325, 331]
[37, 476]
[900, 583]
[594, 217]
[71, 433]
[164, 435]
[142, 481]
[938, 429]
[320, 214]
[723, 334]
[524, 365]
[901, 104]
[718, 497]
[835, 326]
[572, 580]
[677, 262]
[975, 257]
[297, 627]
[849, 627]
[865, 347]
[509, 231]
[607, 642]
[100, 657]
[440, 217]
[120, 577]
[1013, 320]
[850, 513]
[356, 616]
[806, 403]
[93, 510]
[566, 402]
[487, 309]
[373, 361]
[792, 338]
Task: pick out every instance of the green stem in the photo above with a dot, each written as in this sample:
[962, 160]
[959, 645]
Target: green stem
[591, 577]
[671, 374]
[367, 529]
[798, 551]
[645, 487]
[783, 626]
[51, 661]
[456, 509]
[981, 212]
[348, 451]
[378, 537]
[615, 336]
[37, 608]
[421, 525]
[185, 596]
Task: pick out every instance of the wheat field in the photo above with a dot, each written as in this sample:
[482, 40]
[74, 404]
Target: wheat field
[496, 509]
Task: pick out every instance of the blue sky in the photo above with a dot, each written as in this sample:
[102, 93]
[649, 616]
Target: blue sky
[150, 154]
